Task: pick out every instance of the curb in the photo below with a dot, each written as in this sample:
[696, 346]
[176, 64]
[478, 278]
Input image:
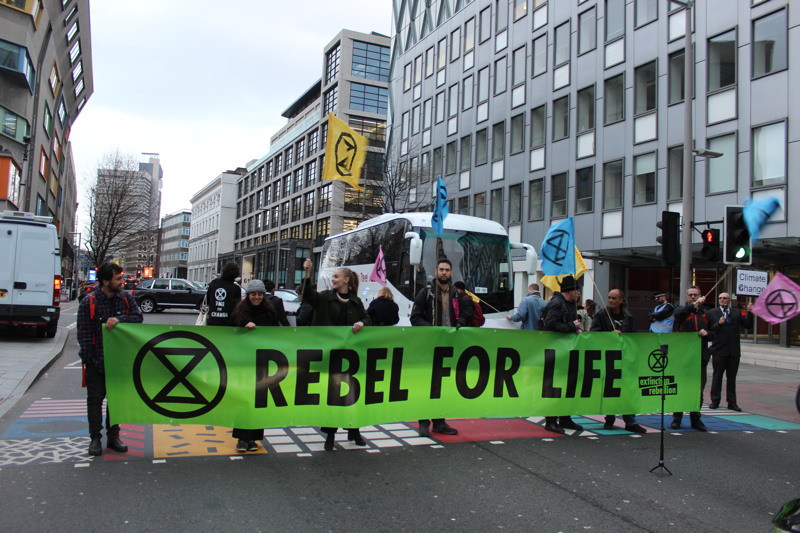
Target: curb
[38, 368]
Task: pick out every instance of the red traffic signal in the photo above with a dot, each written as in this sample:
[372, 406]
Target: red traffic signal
[711, 244]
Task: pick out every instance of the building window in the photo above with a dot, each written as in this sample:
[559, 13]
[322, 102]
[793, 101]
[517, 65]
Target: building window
[370, 61]
[517, 133]
[584, 190]
[676, 77]
[539, 56]
[769, 154]
[587, 31]
[586, 109]
[74, 52]
[483, 85]
[561, 118]
[469, 35]
[615, 19]
[417, 70]
[644, 179]
[515, 204]
[466, 152]
[369, 98]
[721, 171]
[520, 9]
[613, 185]
[481, 147]
[479, 205]
[646, 11]
[562, 45]
[407, 74]
[498, 141]
[441, 54]
[455, 44]
[518, 67]
[415, 122]
[466, 93]
[645, 89]
[430, 61]
[324, 202]
[501, 12]
[770, 44]
[500, 75]
[47, 122]
[485, 24]
[450, 158]
[614, 99]
[558, 196]
[440, 109]
[538, 127]
[453, 97]
[463, 205]
[536, 199]
[722, 61]
[436, 164]
[331, 100]
[332, 64]
[496, 206]
[54, 80]
[675, 173]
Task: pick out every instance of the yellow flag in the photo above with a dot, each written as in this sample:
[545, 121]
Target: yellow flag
[344, 154]
[554, 282]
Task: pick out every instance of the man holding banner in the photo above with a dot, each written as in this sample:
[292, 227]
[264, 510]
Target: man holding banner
[692, 318]
[561, 315]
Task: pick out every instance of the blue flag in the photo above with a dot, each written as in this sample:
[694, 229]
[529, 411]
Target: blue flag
[757, 212]
[440, 209]
[558, 249]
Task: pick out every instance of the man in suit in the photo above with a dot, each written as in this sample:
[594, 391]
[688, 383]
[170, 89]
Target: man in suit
[724, 324]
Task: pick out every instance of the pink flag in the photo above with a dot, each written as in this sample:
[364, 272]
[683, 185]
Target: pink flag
[779, 301]
[378, 273]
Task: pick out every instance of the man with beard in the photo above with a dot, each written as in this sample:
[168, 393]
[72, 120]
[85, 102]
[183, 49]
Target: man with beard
[433, 306]
[691, 317]
[561, 314]
[107, 306]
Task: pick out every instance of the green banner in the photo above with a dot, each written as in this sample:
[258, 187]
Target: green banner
[328, 376]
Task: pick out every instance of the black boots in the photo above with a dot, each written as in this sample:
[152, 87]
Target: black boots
[96, 446]
[115, 444]
[355, 436]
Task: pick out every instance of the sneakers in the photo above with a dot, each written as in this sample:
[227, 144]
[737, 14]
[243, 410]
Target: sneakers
[252, 446]
[241, 446]
[635, 428]
[444, 429]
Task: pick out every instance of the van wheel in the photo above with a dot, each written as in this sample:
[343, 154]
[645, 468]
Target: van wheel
[41, 331]
[50, 332]
[147, 305]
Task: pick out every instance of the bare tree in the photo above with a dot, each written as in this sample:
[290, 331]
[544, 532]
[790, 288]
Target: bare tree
[404, 186]
[114, 206]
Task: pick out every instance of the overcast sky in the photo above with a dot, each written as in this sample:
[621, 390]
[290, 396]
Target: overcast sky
[203, 83]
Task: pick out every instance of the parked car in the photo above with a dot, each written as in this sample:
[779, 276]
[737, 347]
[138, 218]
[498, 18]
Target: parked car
[291, 301]
[202, 285]
[157, 294]
[87, 288]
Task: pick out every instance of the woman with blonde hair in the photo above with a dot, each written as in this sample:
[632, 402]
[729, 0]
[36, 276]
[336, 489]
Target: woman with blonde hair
[383, 310]
[337, 306]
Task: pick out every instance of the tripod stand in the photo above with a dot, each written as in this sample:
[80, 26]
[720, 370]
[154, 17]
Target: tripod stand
[659, 469]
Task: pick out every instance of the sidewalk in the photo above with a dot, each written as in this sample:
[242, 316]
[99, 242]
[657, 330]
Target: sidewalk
[23, 359]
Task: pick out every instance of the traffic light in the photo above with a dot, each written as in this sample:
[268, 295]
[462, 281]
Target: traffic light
[737, 237]
[669, 238]
[711, 244]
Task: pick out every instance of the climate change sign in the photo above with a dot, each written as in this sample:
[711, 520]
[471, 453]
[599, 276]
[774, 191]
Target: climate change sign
[275, 377]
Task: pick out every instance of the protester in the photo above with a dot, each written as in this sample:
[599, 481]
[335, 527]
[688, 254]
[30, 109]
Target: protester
[725, 323]
[433, 306]
[561, 315]
[276, 302]
[383, 310]
[616, 317]
[530, 309]
[691, 317]
[338, 306]
[586, 314]
[661, 319]
[108, 305]
[222, 295]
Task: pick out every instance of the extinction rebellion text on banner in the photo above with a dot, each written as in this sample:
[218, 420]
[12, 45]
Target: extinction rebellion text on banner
[275, 377]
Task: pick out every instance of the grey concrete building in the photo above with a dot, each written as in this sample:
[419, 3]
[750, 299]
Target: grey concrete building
[284, 211]
[213, 219]
[535, 110]
[45, 81]
[173, 246]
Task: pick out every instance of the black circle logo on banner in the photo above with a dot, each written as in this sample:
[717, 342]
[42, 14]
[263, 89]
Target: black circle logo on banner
[781, 304]
[556, 248]
[658, 361]
[178, 388]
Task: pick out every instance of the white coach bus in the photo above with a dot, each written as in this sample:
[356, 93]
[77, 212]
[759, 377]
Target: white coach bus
[478, 248]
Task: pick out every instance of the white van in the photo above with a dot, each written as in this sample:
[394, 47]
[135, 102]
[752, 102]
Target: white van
[30, 267]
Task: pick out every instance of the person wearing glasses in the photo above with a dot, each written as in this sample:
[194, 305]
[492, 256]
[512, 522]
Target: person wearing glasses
[725, 323]
[691, 317]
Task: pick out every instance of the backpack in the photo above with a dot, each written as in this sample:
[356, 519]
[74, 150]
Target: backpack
[477, 312]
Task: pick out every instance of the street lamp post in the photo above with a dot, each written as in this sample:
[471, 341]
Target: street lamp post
[688, 157]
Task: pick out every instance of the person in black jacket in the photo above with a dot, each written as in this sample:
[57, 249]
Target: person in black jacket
[276, 302]
[433, 306]
[561, 314]
[725, 323]
[616, 317]
[691, 317]
[339, 306]
[383, 310]
[222, 296]
[254, 311]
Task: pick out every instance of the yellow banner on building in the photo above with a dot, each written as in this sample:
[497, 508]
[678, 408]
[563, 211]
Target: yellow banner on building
[344, 154]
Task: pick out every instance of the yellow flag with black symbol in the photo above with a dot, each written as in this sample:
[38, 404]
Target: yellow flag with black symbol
[344, 154]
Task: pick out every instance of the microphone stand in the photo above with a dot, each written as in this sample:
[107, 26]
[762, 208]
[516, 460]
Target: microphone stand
[660, 468]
